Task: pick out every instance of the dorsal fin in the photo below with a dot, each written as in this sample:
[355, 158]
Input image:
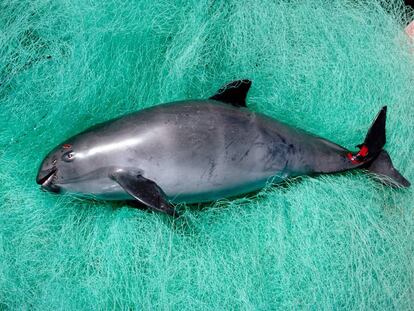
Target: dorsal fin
[234, 93]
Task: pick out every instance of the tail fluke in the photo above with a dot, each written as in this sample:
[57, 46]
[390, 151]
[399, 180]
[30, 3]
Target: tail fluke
[374, 140]
[388, 175]
[371, 156]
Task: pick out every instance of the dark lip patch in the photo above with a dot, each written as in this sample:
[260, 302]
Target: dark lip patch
[47, 179]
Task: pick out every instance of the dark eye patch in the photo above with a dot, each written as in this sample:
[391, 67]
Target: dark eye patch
[68, 156]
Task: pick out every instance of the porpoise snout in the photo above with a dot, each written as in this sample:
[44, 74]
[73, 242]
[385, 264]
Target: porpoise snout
[46, 176]
[45, 179]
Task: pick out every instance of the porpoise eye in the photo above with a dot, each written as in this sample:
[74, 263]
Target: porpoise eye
[68, 156]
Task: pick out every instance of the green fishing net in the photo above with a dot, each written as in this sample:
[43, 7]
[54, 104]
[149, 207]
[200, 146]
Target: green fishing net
[330, 242]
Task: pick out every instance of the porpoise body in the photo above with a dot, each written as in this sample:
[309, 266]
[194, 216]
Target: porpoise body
[198, 151]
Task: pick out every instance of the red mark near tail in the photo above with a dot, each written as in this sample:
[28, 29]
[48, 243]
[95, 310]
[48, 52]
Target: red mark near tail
[359, 157]
[364, 151]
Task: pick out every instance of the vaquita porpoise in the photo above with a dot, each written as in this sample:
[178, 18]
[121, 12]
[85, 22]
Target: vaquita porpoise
[201, 150]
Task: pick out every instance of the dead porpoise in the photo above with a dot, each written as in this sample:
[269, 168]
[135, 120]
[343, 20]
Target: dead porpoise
[201, 150]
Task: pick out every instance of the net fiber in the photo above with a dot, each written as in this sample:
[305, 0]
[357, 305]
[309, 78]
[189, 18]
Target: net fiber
[330, 242]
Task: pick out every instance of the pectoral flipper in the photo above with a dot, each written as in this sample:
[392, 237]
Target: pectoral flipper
[144, 190]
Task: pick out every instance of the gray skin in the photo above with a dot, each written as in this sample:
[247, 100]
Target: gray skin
[195, 151]
[201, 150]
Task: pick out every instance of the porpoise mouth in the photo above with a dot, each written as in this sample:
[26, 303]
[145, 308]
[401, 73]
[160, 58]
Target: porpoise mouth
[45, 179]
